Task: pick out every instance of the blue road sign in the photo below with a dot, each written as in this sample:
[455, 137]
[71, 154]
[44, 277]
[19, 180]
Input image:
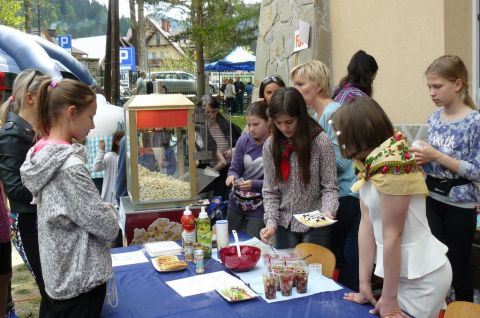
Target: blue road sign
[65, 41]
[127, 58]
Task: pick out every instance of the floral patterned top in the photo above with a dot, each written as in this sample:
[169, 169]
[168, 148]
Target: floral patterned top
[460, 140]
[392, 169]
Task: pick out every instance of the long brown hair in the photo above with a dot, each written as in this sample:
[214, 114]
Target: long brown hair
[361, 124]
[360, 72]
[452, 68]
[290, 101]
[55, 96]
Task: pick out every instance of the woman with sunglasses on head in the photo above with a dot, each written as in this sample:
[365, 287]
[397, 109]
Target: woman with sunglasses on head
[299, 173]
[268, 86]
[312, 79]
[362, 70]
[17, 136]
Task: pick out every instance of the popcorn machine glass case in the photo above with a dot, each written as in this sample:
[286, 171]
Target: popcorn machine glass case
[160, 151]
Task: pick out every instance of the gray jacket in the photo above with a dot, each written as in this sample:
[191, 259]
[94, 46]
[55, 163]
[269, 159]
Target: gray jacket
[74, 224]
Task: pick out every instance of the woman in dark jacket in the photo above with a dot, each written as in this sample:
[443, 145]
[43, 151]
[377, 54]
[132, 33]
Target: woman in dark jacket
[17, 136]
[224, 136]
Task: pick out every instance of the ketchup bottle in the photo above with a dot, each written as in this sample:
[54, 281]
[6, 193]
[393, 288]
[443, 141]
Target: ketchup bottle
[188, 223]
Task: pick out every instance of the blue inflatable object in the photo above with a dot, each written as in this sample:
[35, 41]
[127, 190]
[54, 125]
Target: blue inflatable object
[31, 51]
[27, 53]
[67, 60]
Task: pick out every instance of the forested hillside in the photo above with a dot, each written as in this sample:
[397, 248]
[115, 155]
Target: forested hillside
[80, 18]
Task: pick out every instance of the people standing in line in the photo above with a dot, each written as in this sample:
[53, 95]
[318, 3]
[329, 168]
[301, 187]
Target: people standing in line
[268, 86]
[245, 206]
[299, 173]
[361, 73]
[239, 94]
[312, 79]
[230, 97]
[451, 160]
[225, 136]
[140, 86]
[17, 136]
[108, 162]
[394, 234]
[74, 223]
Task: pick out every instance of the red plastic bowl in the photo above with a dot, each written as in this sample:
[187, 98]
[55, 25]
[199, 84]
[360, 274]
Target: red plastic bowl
[248, 259]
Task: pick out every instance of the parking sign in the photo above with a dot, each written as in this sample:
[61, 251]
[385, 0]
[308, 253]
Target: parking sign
[127, 58]
[65, 42]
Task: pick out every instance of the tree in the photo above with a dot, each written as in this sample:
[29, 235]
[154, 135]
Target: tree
[27, 9]
[9, 14]
[214, 28]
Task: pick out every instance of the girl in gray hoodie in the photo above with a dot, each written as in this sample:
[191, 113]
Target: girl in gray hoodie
[74, 224]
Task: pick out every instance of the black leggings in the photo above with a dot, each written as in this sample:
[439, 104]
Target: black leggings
[455, 227]
[88, 305]
[285, 238]
[27, 226]
[345, 240]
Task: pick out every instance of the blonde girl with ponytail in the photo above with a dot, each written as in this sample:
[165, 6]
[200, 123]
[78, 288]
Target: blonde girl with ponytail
[451, 160]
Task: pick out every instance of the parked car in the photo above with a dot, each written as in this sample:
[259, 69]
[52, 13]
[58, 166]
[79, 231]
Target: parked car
[177, 82]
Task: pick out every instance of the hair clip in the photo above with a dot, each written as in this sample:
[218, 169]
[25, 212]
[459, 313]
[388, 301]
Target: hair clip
[53, 84]
[338, 133]
[11, 98]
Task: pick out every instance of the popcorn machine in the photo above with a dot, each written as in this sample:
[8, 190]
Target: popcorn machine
[161, 170]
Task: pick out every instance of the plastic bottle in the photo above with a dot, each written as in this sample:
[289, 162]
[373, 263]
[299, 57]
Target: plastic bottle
[188, 223]
[204, 232]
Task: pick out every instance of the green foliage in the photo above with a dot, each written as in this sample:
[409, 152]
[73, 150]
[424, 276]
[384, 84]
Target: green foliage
[10, 13]
[186, 64]
[80, 18]
[226, 24]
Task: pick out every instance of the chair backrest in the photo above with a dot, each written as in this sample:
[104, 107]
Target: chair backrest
[319, 254]
[462, 309]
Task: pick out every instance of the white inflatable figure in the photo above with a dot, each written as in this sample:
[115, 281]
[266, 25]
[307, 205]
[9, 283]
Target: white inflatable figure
[108, 119]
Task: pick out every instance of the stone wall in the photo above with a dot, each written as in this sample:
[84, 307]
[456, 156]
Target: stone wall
[278, 22]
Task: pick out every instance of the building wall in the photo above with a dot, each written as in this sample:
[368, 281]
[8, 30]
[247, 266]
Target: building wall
[458, 30]
[404, 36]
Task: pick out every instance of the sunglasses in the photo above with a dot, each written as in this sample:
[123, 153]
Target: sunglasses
[30, 81]
[272, 79]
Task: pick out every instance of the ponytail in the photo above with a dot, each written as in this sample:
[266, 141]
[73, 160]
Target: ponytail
[8, 106]
[53, 97]
[43, 125]
[467, 100]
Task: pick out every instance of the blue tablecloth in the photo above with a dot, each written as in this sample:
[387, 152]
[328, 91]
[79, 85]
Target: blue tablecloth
[142, 292]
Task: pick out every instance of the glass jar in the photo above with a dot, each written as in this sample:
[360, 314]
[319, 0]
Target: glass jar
[200, 266]
[188, 251]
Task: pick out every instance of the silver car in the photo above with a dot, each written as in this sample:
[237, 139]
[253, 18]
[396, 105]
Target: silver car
[177, 82]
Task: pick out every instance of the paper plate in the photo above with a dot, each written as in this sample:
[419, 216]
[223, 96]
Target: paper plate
[158, 267]
[314, 219]
[235, 293]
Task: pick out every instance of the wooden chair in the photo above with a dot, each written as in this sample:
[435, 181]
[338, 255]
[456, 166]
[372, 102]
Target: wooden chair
[319, 254]
[462, 309]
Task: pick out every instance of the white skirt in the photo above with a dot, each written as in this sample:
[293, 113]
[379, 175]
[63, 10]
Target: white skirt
[424, 297]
